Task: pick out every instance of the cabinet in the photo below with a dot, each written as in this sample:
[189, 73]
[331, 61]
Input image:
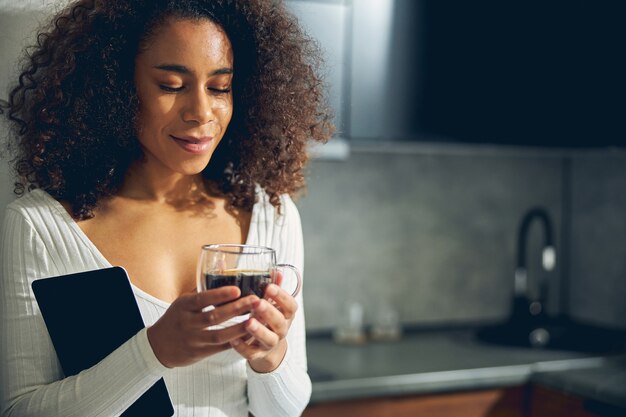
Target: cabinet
[523, 401]
[506, 402]
[549, 403]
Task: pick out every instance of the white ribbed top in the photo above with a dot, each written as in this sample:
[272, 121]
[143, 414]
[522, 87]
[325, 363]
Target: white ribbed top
[39, 240]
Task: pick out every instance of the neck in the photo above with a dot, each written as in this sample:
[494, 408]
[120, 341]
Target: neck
[150, 184]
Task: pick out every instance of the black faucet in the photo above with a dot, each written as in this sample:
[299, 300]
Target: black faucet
[529, 312]
[527, 324]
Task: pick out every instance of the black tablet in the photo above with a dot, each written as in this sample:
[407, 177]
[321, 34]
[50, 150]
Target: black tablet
[89, 315]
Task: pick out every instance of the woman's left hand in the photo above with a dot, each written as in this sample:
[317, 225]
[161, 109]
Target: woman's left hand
[268, 325]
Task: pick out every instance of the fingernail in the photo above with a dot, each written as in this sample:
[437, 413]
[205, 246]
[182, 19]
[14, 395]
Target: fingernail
[252, 325]
[271, 290]
[235, 342]
[260, 307]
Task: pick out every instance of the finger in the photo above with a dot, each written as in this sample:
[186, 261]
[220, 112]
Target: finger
[246, 350]
[268, 314]
[262, 335]
[285, 302]
[278, 277]
[247, 338]
[223, 336]
[242, 347]
[233, 309]
[212, 349]
[217, 296]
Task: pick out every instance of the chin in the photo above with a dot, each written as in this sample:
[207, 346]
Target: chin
[192, 168]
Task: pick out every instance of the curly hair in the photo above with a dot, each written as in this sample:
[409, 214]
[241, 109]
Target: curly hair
[74, 109]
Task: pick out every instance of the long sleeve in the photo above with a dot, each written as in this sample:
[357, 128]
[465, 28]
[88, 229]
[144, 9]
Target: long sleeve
[286, 390]
[31, 379]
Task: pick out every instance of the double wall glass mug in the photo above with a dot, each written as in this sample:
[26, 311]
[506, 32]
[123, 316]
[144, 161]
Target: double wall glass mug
[251, 268]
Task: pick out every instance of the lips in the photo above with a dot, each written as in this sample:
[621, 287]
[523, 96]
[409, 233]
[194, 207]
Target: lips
[192, 144]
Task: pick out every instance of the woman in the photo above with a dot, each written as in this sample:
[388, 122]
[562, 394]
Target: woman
[146, 128]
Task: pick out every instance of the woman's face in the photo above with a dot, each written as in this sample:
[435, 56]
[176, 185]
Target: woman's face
[183, 78]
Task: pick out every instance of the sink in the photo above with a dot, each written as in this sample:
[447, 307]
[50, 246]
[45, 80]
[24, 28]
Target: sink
[558, 333]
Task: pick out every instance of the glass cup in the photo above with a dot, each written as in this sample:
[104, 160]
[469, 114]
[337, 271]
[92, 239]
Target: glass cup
[251, 268]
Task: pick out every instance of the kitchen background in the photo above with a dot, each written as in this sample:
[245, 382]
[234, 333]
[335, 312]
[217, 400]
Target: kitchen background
[451, 125]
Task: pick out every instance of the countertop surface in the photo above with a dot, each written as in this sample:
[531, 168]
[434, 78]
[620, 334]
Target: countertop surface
[440, 361]
[605, 383]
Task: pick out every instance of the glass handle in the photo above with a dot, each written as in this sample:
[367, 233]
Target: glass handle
[298, 277]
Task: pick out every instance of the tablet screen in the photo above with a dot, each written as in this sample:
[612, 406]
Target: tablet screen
[89, 315]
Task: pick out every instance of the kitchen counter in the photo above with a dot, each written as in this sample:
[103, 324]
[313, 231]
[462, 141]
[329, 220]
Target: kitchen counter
[605, 383]
[444, 361]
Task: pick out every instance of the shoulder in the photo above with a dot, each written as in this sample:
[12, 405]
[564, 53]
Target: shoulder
[278, 229]
[36, 207]
[264, 210]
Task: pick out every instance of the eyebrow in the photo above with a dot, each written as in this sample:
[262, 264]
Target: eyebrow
[181, 69]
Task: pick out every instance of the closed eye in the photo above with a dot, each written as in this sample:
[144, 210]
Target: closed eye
[170, 89]
[220, 90]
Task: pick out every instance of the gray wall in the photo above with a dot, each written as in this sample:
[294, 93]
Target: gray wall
[15, 27]
[598, 241]
[432, 231]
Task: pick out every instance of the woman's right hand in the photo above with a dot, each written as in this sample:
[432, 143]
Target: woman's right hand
[180, 337]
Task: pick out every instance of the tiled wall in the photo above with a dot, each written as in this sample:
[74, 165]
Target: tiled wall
[598, 243]
[432, 233]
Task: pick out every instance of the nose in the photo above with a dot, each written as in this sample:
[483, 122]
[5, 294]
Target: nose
[198, 108]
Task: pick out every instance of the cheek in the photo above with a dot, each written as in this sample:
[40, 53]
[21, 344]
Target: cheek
[225, 110]
[154, 112]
